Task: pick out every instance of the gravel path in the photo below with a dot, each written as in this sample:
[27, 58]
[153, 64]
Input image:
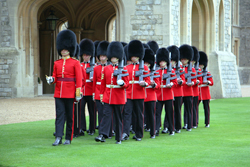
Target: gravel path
[42, 108]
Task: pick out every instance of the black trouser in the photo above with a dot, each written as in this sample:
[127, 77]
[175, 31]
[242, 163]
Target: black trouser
[92, 113]
[177, 112]
[188, 110]
[150, 108]
[195, 110]
[106, 122]
[77, 117]
[146, 119]
[135, 106]
[64, 111]
[127, 118]
[99, 107]
[169, 115]
[206, 111]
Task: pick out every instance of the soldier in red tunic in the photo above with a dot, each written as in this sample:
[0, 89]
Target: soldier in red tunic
[136, 90]
[186, 55]
[112, 92]
[98, 76]
[207, 81]
[178, 90]
[77, 106]
[68, 79]
[87, 51]
[195, 63]
[150, 101]
[165, 94]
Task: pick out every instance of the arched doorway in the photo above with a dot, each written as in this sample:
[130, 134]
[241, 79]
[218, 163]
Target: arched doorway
[87, 18]
[203, 25]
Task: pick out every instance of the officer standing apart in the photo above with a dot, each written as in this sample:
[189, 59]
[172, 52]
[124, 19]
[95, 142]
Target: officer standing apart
[112, 93]
[68, 79]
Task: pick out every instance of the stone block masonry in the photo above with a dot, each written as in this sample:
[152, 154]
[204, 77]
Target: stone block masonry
[5, 29]
[7, 72]
[144, 20]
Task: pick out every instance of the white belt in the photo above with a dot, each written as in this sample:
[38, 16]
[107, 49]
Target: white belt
[203, 85]
[149, 86]
[98, 83]
[132, 82]
[88, 80]
[113, 86]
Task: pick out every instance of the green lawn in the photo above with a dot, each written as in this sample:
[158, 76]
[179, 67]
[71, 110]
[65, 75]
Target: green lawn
[225, 143]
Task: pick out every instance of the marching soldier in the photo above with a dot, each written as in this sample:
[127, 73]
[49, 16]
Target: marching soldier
[87, 50]
[186, 55]
[178, 90]
[136, 89]
[112, 92]
[150, 101]
[165, 94]
[195, 63]
[153, 45]
[77, 104]
[207, 81]
[68, 79]
[98, 76]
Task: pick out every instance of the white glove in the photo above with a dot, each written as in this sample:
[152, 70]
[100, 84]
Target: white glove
[49, 79]
[120, 82]
[93, 96]
[78, 98]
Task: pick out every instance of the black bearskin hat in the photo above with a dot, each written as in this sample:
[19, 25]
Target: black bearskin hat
[66, 39]
[196, 57]
[153, 45]
[87, 47]
[102, 48]
[149, 57]
[96, 43]
[123, 44]
[186, 52]
[146, 46]
[115, 49]
[135, 49]
[203, 59]
[126, 52]
[175, 53]
[162, 54]
[77, 52]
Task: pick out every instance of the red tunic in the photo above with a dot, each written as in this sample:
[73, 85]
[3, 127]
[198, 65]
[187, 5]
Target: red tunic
[195, 86]
[151, 92]
[187, 90]
[164, 94]
[83, 77]
[67, 76]
[178, 89]
[98, 72]
[204, 89]
[135, 91]
[113, 93]
[88, 88]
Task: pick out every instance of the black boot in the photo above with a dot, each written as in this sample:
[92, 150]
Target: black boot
[57, 142]
[67, 142]
[100, 138]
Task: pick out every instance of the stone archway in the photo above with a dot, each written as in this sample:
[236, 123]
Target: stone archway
[86, 18]
[203, 25]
